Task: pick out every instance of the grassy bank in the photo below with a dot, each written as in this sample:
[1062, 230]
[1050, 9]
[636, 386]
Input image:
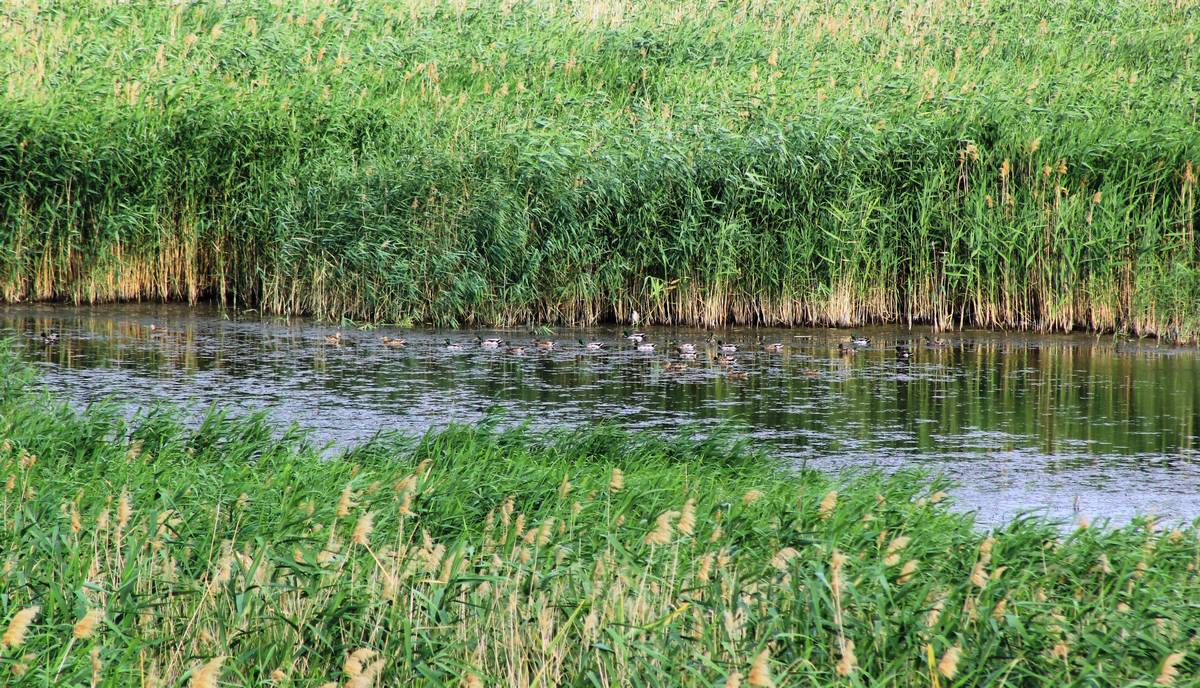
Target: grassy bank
[703, 162]
[144, 552]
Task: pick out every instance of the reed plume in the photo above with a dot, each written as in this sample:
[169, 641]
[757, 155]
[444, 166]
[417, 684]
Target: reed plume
[87, 624]
[18, 627]
[207, 675]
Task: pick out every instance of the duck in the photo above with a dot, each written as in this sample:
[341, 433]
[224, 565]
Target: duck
[645, 346]
[685, 348]
[737, 375]
[453, 346]
[335, 338]
[771, 347]
[846, 350]
[726, 360]
[903, 352]
[810, 372]
[688, 355]
[726, 348]
[859, 340]
[935, 342]
[397, 343]
[544, 344]
[49, 337]
[489, 343]
[674, 367]
[635, 337]
[592, 346]
[514, 350]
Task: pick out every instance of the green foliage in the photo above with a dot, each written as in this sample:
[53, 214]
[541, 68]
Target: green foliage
[478, 162]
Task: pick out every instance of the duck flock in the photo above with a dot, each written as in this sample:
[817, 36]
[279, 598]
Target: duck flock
[674, 355]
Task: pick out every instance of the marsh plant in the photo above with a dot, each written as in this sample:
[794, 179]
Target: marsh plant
[147, 551]
[704, 162]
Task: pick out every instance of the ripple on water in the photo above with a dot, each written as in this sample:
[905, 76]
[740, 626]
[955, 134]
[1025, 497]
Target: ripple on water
[1021, 422]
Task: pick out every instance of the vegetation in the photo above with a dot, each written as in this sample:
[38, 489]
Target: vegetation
[148, 551]
[472, 161]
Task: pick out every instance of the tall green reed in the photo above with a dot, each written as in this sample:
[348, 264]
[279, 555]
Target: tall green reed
[479, 162]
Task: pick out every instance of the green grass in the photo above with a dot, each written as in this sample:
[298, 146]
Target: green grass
[510, 558]
[703, 162]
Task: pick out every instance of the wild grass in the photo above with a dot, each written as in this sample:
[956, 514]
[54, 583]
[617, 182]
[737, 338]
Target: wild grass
[704, 162]
[145, 551]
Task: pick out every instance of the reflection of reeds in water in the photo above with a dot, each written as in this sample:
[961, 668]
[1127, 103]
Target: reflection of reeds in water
[688, 160]
[224, 554]
[1051, 392]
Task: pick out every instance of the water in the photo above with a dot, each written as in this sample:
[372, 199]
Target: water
[1021, 422]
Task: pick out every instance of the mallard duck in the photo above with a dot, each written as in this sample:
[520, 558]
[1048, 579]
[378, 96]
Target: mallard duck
[489, 343]
[859, 340]
[688, 355]
[936, 342]
[903, 352]
[645, 346]
[335, 338]
[726, 360]
[726, 348]
[770, 347]
[685, 348]
[592, 346]
[397, 343]
[514, 350]
[453, 346]
[846, 350]
[674, 367]
[635, 337]
[49, 337]
[809, 372]
[544, 344]
[737, 375]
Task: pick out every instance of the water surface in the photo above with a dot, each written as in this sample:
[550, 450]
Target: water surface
[1021, 422]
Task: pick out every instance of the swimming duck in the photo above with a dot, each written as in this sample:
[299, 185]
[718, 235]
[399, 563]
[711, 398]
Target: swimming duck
[544, 344]
[685, 348]
[49, 337]
[771, 347]
[726, 348]
[635, 337]
[809, 372]
[592, 346]
[688, 355]
[453, 346]
[903, 352]
[489, 343]
[645, 346]
[674, 367]
[335, 338]
[515, 350]
[846, 350]
[397, 343]
[726, 360]
[859, 340]
[935, 342]
[737, 375]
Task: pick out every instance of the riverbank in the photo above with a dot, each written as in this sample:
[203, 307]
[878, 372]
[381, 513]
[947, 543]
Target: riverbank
[142, 550]
[505, 163]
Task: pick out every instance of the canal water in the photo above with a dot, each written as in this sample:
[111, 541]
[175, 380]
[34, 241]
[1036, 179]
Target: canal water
[1052, 425]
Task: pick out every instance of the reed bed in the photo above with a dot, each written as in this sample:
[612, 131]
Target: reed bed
[145, 551]
[480, 161]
